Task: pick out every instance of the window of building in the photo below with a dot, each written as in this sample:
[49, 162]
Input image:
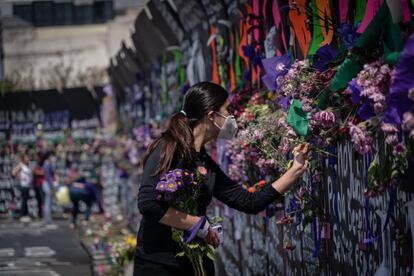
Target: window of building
[102, 11]
[83, 14]
[23, 11]
[43, 13]
[64, 14]
[51, 13]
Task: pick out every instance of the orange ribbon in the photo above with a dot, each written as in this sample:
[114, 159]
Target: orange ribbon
[298, 18]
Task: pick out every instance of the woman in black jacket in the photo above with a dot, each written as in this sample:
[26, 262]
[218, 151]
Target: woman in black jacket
[205, 117]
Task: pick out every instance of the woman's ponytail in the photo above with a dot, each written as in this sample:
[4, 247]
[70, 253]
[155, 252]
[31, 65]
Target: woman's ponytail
[178, 136]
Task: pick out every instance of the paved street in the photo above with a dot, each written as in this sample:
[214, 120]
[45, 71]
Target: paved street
[31, 249]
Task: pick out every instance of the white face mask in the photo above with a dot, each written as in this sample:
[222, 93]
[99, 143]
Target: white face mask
[229, 129]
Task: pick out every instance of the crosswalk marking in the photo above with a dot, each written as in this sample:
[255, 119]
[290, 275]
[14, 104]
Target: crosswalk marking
[39, 251]
[7, 252]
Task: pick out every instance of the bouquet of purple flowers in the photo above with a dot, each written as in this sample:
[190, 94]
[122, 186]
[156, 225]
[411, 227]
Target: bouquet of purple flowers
[180, 189]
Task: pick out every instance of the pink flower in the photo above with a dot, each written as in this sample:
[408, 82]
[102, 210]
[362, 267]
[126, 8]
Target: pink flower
[377, 97]
[282, 122]
[388, 128]
[291, 132]
[307, 105]
[202, 170]
[324, 118]
[284, 145]
[261, 162]
[408, 121]
[258, 135]
[399, 149]
[391, 139]
[411, 93]
[360, 138]
[379, 107]
[385, 69]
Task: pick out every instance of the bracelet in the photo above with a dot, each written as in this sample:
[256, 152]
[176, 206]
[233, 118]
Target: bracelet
[203, 231]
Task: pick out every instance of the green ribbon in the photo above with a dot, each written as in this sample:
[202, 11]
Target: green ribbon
[359, 11]
[237, 65]
[382, 29]
[317, 36]
[298, 119]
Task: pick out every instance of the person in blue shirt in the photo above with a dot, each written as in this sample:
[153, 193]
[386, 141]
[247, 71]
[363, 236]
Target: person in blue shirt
[86, 191]
[47, 187]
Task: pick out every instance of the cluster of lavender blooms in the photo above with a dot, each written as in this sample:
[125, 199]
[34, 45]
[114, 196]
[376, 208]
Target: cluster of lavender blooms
[176, 185]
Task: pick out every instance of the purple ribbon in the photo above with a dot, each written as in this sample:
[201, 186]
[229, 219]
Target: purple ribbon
[191, 233]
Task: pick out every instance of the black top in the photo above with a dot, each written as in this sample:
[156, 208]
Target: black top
[154, 239]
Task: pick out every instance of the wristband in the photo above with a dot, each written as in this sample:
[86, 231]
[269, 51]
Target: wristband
[191, 233]
[203, 231]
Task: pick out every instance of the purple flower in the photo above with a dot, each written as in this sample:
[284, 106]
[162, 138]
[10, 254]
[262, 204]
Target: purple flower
[161, 186]
[398, 101]
[170, 177]
[348, 34]
[355, 90]
[187, 177]
[275, 67]
[325, 54]
[178, 173]
[366, 111]
[179, 183]
[171, 186]
[284, 103]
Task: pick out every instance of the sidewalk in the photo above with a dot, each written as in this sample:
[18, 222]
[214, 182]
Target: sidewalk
[31, 249]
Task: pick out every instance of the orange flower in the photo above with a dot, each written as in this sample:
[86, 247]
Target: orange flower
[262, 183]
[251, 189]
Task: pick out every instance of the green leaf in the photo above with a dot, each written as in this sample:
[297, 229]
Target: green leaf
[181, 254]
[193, 245]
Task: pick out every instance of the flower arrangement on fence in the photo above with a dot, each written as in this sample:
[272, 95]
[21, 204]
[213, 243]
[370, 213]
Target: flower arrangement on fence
[375, 113]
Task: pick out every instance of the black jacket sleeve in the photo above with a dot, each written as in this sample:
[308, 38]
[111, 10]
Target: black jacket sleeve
[237, 197]
[148, 205]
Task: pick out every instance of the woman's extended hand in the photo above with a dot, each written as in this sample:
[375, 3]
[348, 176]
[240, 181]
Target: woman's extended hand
[300, 158]
[212, 238]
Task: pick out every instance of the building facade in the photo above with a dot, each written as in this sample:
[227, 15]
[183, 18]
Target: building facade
[63, 43]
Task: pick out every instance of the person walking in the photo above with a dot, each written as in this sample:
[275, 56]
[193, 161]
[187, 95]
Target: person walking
[38, 179]
[205, 116]
[25, 177]
[49, 178]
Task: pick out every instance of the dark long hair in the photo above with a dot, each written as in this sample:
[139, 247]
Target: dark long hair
[200, 99]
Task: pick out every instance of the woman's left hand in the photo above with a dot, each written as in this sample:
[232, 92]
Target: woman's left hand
[300, 158]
